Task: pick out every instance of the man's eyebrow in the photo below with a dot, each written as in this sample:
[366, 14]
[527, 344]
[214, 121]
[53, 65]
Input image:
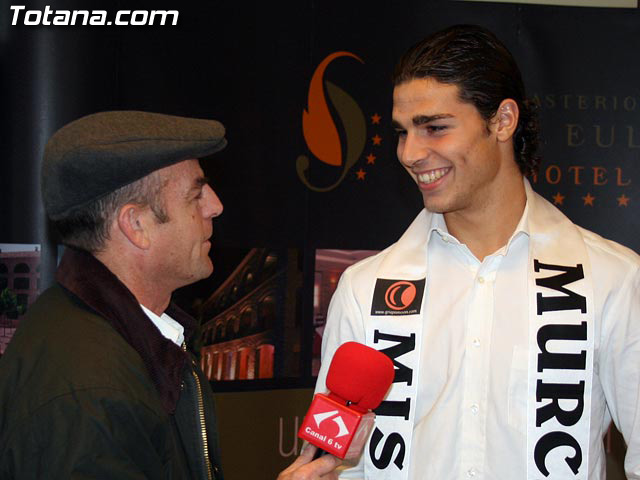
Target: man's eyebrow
[197, 185]
[200, 182]
[423, 119]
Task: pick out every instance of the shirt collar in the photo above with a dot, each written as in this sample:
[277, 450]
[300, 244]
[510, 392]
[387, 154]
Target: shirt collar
[169, 328]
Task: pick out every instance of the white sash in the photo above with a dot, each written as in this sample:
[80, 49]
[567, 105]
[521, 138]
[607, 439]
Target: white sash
[399, 291]
[561, 348]
[556, 249]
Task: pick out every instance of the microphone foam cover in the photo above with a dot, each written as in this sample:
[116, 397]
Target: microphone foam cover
[360, 374]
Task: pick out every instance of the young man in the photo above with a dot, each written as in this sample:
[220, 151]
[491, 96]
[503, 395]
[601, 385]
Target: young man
[100, 380]
[515, 333]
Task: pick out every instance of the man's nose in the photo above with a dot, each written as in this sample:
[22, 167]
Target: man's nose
[213, 205]
[412, 150]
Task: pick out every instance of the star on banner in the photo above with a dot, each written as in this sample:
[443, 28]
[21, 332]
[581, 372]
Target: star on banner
[377, 139]
[558, 199]
[375, 119]
[371, 159]
[588, 200]
[623, 200]
[360, 174]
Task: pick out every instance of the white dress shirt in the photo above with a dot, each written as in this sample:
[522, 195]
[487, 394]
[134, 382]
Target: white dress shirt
[169, 328]
[471, 410]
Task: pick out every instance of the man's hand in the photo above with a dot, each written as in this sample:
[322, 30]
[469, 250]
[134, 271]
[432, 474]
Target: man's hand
[305, 468]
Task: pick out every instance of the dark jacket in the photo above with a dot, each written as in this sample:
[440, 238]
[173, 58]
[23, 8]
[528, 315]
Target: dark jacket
[89, 388]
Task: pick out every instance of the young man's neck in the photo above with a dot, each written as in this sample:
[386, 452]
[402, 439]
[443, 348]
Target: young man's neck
[489, 227]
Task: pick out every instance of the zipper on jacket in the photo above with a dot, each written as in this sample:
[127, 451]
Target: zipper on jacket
[203, 425]
[205, 442]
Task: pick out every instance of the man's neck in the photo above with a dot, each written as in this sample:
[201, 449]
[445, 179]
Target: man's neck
[489, 227]
[132, 274]
[153, 303]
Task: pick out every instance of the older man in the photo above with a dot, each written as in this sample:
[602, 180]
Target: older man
[99, 380]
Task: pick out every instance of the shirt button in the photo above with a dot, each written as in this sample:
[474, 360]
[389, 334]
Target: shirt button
[476, 342]
[480, 279]
[475, 408]
[471, 472]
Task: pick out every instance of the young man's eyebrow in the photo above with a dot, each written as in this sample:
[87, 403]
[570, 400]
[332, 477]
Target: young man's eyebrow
[423, 119]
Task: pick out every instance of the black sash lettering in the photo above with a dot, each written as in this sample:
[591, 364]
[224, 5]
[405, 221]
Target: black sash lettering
[556, 392]
[551, 394]
[393, 408]
[553, 440]
[570, 300]
[573, 361]
[393, 440]
[404, 345]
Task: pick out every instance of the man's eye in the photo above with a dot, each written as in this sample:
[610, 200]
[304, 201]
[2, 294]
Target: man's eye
[400, 133]
[436, 128]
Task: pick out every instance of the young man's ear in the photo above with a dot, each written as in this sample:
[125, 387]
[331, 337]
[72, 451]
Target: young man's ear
[506, 119]
[133, 222]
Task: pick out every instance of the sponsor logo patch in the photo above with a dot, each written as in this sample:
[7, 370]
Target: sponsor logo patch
[397, 297]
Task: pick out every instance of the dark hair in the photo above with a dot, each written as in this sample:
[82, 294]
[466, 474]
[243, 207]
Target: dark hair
[485, 72]
[88, 227]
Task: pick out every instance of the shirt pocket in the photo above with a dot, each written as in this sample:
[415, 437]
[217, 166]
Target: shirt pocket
[518, 387]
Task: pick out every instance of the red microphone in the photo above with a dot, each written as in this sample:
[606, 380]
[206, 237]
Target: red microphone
[340, 422]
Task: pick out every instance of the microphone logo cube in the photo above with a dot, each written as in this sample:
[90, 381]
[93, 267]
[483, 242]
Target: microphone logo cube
[336, 428]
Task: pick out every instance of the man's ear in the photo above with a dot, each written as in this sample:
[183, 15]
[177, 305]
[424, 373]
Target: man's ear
[505, 121]
[133, 223]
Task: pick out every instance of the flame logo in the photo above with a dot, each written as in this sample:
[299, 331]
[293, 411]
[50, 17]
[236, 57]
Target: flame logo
[320, 130]
[400, 295]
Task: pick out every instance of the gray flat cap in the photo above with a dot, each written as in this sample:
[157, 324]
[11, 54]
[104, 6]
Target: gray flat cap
[97, 154]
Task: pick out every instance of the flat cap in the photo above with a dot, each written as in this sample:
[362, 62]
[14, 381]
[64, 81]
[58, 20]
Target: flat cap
[97, 154]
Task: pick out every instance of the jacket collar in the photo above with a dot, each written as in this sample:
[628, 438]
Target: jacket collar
[96, 286]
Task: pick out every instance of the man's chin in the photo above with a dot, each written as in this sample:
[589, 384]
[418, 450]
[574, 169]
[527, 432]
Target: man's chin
[209, 268]
[435, 208]
[436, 205]
[206, 272]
